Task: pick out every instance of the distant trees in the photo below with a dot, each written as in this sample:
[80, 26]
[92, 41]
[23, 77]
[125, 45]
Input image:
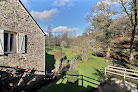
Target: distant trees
[56, 38]
[50, 36]
[121, 26]
[63, 44]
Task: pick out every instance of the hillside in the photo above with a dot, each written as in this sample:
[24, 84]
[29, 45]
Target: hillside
[124, 42]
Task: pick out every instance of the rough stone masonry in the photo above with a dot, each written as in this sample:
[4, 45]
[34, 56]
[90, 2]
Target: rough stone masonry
[15, 18]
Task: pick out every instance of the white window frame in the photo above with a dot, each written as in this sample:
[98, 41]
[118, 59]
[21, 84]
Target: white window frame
[8, 47]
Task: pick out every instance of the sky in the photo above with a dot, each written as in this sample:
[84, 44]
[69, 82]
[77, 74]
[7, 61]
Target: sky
[62, 15]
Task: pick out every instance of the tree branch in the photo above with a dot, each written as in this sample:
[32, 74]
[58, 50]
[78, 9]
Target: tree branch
[129, 15]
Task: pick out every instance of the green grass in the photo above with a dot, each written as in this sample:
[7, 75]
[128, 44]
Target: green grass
[51, 48]
[69, 54]
[91, 75]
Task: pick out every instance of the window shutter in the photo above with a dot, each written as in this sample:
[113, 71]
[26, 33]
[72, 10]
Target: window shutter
[21, 43]
[1, 42]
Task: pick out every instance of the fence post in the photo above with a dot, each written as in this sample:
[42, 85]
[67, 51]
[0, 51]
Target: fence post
[82, 80]
[125, 74]
[105, 71]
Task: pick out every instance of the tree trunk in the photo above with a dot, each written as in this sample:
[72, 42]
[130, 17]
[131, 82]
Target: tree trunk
[131, 58]
[108, 54]
[133, 33]
[132, 45]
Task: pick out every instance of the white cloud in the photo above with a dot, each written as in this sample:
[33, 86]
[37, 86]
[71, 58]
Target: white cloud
[64, 29]
[62, 3]
[106, 2]
[46, 33]
[45, 15]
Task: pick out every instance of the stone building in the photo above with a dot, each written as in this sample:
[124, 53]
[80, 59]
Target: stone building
[22, 41]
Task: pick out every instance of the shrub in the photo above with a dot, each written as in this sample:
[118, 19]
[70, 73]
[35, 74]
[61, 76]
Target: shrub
[72, 75]
[59, 56]
[63, 44]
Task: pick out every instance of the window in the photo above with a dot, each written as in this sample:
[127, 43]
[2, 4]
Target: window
[9, 42]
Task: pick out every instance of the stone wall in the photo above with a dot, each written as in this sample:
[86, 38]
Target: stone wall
[14, 18]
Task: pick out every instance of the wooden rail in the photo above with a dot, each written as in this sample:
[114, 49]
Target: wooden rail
[123, 72]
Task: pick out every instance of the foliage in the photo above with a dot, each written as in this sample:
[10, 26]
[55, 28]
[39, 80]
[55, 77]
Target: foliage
[87, 47]
[59, 56]
[64, 66]
[121, 26]
[63, 44]
[72, 75]
[100, 18]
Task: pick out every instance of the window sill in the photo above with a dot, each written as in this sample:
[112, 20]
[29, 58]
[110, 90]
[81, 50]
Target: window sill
[10, 52]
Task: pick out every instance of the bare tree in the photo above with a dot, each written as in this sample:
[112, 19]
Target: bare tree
[101, 19]
[85, 46]
[63, 44]
[130, 7]
[49, 34]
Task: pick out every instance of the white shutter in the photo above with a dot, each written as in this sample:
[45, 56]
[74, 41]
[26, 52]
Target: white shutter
[21, 43]
[1, 42]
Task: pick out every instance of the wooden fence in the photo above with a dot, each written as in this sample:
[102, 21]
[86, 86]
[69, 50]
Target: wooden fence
[123, 72]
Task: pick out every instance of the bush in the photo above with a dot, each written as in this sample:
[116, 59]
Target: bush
[72, 75]
[59, 57]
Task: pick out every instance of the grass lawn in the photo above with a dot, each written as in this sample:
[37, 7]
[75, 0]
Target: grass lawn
[91, 75]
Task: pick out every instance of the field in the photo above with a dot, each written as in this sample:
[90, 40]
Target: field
[89, 75]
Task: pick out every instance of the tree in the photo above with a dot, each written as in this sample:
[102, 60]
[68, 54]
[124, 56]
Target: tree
[59, 56]
[87, 47]
[121, 26]
[130, 7]
[50, 36]
[63, 44]
[101, 19]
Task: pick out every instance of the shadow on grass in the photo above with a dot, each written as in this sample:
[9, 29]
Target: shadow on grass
[50, 61]
[100, 73]
[69, 87]
[63, 85]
